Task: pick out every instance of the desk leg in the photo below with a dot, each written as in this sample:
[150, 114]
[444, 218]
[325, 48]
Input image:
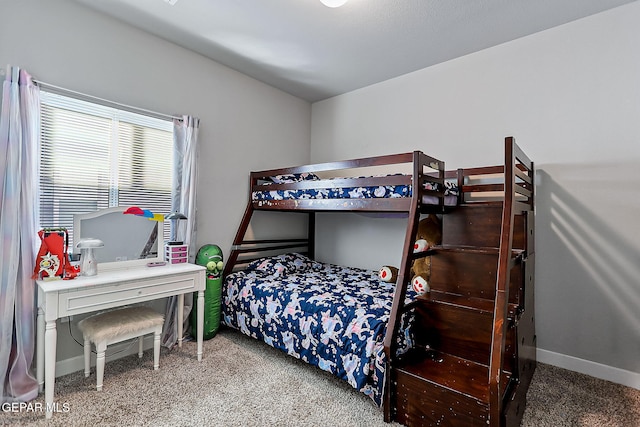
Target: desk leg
[50, 339]
[200, 322]
[180, 318]
[40, 350]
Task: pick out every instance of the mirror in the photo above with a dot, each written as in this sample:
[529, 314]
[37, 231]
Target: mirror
[129, 240]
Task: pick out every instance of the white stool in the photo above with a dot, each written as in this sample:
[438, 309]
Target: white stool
[116, 326]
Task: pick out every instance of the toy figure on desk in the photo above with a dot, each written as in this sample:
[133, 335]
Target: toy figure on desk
[52, 261]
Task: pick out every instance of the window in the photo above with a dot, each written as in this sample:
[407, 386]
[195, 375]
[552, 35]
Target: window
[95, 157]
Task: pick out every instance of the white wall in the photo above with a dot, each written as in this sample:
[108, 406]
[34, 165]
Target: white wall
[245, 125]
[571, 97]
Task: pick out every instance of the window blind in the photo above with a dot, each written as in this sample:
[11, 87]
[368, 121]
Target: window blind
[94, 157]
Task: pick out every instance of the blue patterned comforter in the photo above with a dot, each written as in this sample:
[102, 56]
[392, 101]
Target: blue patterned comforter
[329, 316]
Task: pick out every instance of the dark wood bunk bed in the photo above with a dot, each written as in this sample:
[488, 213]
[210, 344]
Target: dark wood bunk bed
[472, 351]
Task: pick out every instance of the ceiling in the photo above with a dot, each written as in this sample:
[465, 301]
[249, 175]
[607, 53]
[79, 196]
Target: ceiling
[315, 52]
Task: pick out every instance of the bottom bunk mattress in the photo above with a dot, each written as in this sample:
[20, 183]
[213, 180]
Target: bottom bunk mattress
[329, 316]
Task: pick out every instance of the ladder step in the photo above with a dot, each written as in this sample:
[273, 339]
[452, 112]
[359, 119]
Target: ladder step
[472, 272]
[436, 388]
[461, 326]
[478, 224]
[494, 203]
[488, 250]
[481, 305]
[458, 375]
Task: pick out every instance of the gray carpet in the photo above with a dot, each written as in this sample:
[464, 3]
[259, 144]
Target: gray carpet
[242, 382]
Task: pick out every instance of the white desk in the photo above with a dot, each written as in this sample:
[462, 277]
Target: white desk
[109, 289]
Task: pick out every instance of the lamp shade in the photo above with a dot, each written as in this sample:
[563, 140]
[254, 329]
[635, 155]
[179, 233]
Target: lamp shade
[90, 242]
[175, 215]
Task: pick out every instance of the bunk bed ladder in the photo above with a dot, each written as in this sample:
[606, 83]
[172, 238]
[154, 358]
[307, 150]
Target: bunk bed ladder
[474, 349]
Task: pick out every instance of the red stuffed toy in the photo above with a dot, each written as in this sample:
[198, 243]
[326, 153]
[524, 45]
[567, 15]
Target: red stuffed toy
[52, 259]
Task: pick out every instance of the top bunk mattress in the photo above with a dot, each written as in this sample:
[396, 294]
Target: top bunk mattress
[349, 192]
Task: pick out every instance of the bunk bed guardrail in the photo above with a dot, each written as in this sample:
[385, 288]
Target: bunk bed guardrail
[424, 178]
[423, 172]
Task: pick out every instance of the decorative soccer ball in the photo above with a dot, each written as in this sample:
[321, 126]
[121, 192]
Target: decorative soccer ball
[420, 285]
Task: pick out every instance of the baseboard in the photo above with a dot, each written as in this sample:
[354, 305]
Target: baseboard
[597, 370]
[114, 352]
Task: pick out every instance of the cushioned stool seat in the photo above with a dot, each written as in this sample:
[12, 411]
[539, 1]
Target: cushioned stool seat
[115, 326]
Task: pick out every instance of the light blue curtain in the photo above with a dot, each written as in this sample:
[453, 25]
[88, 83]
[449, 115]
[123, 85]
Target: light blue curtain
[19, 165]
[185, 176]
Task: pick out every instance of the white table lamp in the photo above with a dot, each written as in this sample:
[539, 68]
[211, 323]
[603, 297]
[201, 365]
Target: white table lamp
[88, 263]
[175, 218]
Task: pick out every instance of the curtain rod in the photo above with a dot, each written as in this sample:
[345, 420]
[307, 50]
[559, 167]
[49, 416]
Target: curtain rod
[64, 91]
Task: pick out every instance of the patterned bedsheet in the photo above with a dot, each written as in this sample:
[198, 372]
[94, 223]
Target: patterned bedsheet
[367, 192]
[330, 316]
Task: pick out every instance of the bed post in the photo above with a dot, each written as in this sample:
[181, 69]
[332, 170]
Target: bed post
[518, 199]
[237, 241]
[502, 290]
[311, 236]
[397, 307]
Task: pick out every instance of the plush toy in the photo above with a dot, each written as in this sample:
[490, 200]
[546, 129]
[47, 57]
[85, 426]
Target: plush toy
[429, 234]
[210, 256]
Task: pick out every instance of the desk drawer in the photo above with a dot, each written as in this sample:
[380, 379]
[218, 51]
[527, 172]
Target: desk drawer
[123, 293]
